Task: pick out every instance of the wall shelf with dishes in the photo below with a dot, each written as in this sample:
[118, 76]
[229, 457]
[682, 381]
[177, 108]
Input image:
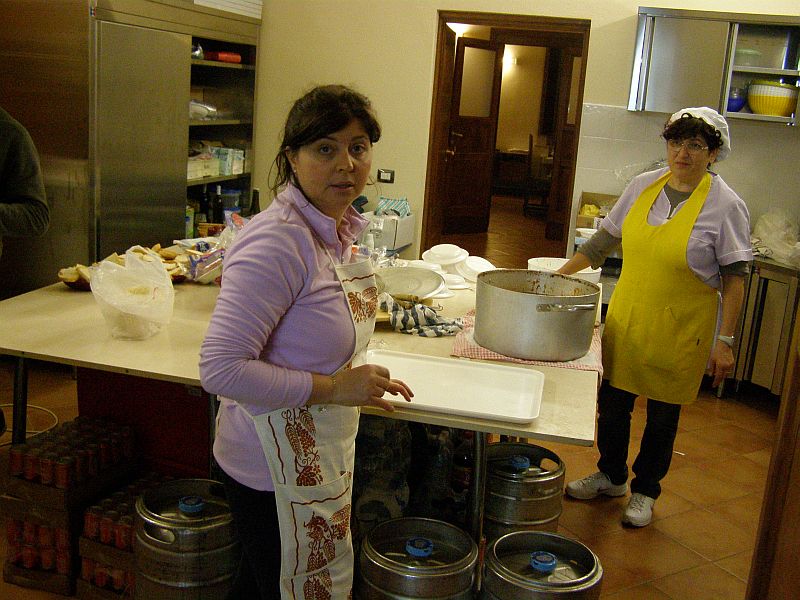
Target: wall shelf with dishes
[763, 75]
[720, 56]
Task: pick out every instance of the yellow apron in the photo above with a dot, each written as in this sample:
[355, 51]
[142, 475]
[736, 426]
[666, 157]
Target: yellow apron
[310, 451]
[660, 323]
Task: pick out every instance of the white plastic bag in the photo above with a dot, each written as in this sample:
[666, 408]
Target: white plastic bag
[136, 299]
[777, 232]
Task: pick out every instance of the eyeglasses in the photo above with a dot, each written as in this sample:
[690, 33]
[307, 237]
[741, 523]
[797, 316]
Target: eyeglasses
[691, 146]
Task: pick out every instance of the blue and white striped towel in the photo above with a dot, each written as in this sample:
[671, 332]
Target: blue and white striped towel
[419, 319]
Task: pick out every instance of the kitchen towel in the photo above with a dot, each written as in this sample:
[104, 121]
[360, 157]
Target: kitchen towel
[464, 345]
[419, 319]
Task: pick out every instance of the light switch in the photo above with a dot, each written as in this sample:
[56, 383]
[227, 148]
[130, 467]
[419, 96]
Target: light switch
[386, 175]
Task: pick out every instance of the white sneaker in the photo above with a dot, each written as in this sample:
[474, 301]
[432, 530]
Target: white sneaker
[594, 485]
[640, 510]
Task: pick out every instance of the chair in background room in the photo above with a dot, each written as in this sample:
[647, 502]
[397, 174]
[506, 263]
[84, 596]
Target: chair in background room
[537, 183]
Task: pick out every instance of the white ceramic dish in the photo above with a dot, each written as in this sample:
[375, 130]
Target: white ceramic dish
[441, 252]
[465, 387]
[445, 293]
[428, 256]
[552, 264]
[410, 281]
[423, 264]
[455, 281]
[472, 266]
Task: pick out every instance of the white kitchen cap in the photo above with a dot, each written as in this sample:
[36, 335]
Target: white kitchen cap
[713, 118]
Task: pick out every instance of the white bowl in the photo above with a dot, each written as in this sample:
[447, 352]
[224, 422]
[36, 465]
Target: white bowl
[430, 256]
[552, 264]
[441, 252]
[472, 266]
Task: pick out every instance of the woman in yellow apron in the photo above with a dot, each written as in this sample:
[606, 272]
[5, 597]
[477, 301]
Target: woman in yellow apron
[294, 310]
[686, 248]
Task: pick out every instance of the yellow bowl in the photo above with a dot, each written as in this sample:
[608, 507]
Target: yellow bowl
[778, 100]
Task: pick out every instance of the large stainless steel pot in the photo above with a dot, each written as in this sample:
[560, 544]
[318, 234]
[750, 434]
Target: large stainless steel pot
[535, 315]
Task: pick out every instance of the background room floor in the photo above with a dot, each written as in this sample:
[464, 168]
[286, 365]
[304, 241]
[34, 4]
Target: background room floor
[705, 522]
[512, 237]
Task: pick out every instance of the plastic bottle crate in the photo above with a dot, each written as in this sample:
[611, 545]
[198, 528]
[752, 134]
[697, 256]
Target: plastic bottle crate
[42, 545]
[106, 546]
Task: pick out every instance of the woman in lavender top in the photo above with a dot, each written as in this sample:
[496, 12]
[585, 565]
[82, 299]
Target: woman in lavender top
[295, 309]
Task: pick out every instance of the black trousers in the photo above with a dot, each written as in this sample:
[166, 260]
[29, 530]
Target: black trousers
[614, 408]
[256, 519]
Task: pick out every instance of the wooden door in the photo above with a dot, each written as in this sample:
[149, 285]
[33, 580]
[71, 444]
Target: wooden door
[559, 202]
[474, 105]
[777, 551]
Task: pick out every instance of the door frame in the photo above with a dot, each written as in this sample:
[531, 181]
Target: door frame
[554, 27]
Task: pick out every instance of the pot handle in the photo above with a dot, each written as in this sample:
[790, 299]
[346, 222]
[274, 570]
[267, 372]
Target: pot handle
[564, 307]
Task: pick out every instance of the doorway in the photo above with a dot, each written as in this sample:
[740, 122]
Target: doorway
[565, 42]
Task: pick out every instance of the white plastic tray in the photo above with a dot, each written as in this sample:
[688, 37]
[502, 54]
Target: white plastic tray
[464, 387]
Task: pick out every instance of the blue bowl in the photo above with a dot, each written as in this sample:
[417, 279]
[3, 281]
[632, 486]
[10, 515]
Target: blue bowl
[736, 104]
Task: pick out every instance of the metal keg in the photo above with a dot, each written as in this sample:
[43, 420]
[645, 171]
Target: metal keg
[416, 558]
[534, 565]
[524, 488]
[185, 542]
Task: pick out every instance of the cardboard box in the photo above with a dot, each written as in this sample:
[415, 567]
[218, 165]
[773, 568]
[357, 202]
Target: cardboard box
[231, 160]
[202, 166]
[397, 232]
[603, 201]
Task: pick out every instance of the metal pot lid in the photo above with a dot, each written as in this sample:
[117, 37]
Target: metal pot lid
[185, 500]
[536, 560]
[420, 544]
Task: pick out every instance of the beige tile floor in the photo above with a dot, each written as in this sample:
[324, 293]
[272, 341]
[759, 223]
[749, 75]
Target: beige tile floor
[700, 543]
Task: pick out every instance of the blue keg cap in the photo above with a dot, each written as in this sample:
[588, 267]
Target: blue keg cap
[191, 505]
[520, 462]
[419, 547]
[543, 562]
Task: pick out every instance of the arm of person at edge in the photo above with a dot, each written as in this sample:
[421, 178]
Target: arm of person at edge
[23, 206]
[231, 363]
[722, 360]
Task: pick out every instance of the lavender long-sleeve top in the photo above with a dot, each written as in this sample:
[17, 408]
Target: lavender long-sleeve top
[281, 315]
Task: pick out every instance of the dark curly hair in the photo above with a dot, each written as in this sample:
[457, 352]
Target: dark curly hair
[689, 126]
[320, 112]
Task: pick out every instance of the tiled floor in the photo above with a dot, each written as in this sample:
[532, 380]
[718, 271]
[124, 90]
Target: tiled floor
[700, 543]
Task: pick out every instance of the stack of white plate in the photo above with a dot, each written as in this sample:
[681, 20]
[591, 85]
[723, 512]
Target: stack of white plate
[447, 256]
[471, 266]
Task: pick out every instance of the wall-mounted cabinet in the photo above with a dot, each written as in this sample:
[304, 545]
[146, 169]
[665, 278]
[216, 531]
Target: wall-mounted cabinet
[701, 58]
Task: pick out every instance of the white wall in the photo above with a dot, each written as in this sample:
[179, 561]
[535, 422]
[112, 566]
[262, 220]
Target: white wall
[520, 97]
[386, 49]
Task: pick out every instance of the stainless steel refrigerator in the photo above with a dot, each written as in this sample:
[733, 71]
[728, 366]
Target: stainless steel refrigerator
[103, 87]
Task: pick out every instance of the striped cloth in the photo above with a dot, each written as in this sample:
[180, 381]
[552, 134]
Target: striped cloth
[419, 319]
[464, 345]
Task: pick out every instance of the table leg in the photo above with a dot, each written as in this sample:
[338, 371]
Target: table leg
[19, 423]
[477, 501]
[475, 513]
